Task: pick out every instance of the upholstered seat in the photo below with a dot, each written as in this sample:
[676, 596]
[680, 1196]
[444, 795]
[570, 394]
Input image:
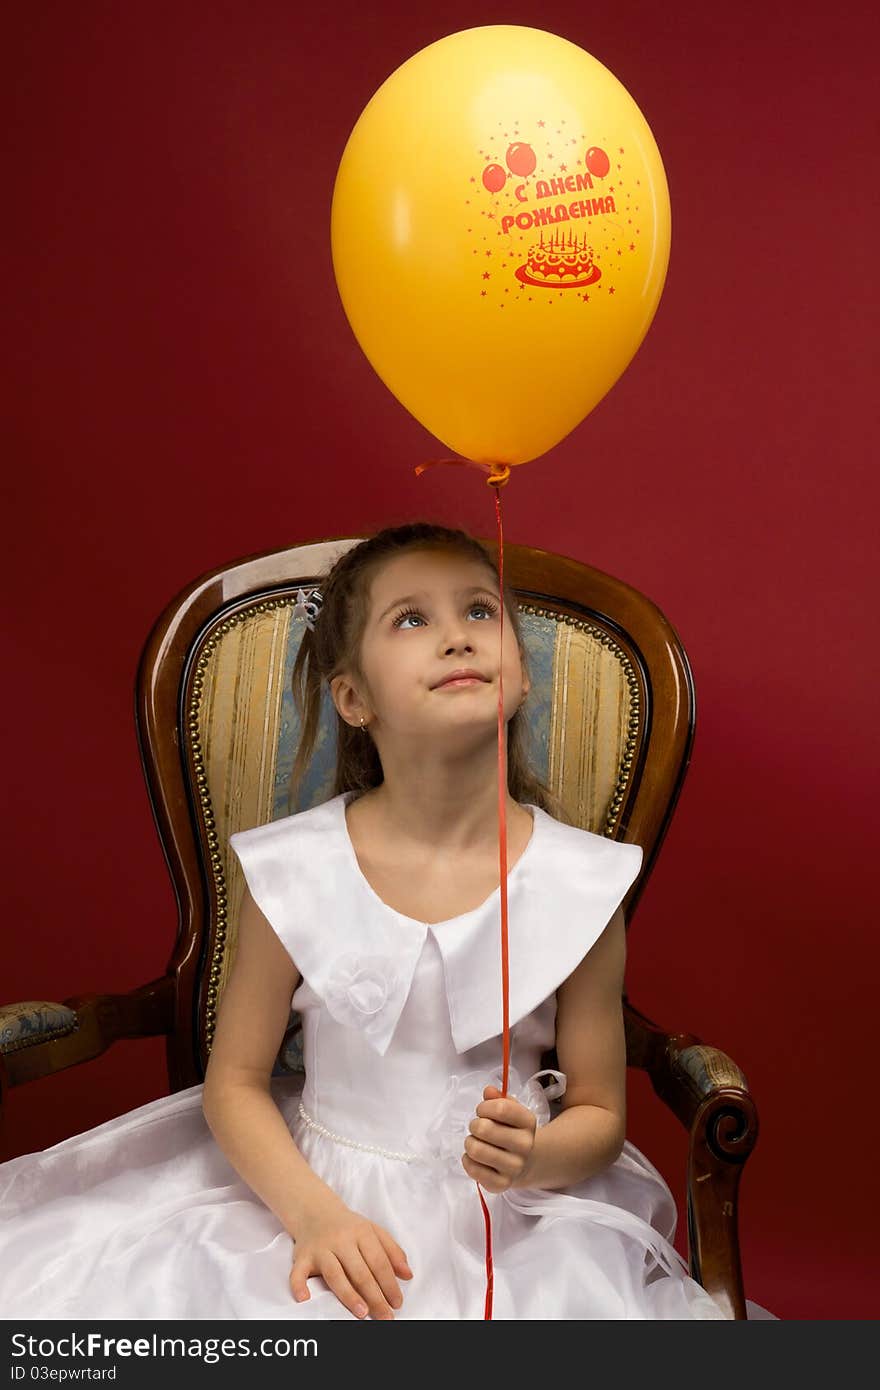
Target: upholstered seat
[611, 721]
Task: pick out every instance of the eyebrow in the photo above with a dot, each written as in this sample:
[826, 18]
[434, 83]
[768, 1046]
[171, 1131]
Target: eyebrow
[471, 589]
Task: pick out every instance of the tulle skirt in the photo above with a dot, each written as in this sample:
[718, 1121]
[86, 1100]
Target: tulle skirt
[144, 1217]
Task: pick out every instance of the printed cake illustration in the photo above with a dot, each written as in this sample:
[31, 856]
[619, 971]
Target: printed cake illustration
[563, 261]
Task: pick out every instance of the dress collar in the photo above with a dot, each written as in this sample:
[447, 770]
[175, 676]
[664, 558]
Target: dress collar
[561, 894]
[359, 955]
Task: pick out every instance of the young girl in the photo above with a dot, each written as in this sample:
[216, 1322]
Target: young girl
[377, 914]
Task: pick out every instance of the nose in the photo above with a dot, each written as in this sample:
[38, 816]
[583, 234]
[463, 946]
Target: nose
[459, 646]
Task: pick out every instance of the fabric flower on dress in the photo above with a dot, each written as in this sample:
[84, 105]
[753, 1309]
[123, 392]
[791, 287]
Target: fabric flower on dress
[442, 1143]
[358, 989]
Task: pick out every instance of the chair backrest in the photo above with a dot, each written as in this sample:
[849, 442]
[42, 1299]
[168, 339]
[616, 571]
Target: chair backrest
[611, 719]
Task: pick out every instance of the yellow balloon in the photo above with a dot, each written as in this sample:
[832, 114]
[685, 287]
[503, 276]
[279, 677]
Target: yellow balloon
[500, 236]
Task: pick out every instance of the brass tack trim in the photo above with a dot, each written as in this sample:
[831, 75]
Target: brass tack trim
[62, 1030]
[206, 810]
[633, 725]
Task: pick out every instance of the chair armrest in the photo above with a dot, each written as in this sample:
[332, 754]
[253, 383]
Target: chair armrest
[708, 1092]
[685, 1072]
[40, 1037]
[705, 1069]
[33, 1021]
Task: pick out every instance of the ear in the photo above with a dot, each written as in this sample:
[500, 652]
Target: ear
[348, 702]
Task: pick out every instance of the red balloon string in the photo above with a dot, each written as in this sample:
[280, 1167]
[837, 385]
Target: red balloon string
[499, 476]
[502, 811]
[490, 1272]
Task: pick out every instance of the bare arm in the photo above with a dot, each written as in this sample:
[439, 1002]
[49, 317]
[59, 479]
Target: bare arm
[237, 1100]
[504, 1148]
[591, 1046]
[359, 1260]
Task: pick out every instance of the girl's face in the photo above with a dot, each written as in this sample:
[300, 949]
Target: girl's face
[433, 612]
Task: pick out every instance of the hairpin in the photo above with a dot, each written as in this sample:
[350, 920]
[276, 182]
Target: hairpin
[308, 608]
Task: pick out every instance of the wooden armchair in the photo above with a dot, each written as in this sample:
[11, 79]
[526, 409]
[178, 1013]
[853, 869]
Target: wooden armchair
[611, 716]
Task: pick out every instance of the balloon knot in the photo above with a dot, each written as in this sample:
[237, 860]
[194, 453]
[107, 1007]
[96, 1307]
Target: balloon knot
[499, 475]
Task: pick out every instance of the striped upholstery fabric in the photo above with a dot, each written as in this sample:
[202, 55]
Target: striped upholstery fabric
[579, 711]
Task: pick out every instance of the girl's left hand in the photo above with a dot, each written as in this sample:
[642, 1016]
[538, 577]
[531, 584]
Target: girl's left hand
[498, 1151]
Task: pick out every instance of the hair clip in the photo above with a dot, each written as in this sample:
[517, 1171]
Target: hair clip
[308, 608]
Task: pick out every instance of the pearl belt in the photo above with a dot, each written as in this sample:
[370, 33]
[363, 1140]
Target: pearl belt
[355, 1143]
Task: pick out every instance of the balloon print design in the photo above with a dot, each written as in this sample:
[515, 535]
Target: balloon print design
[572, 175]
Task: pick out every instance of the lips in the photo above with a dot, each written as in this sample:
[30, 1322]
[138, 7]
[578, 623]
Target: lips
[461, 676]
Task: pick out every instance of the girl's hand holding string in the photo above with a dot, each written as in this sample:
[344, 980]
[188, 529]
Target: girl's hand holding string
[498, 1150]
[356, 1258]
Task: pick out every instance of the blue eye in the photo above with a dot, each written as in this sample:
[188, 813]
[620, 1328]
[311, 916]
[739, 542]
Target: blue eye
[407, 613]
[487, 603]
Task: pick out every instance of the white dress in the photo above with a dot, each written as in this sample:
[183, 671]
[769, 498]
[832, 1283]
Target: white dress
[144, 1217]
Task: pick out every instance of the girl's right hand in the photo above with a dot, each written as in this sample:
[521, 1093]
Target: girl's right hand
[357, 1259]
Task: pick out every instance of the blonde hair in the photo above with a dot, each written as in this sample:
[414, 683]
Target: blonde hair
[334, 645]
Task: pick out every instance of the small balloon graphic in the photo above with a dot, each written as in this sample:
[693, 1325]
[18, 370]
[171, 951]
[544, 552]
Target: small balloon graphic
[598, 162]
[521, 159]
[494, 178]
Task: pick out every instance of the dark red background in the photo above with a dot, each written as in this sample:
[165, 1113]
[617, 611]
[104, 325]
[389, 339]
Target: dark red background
[185, 389]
